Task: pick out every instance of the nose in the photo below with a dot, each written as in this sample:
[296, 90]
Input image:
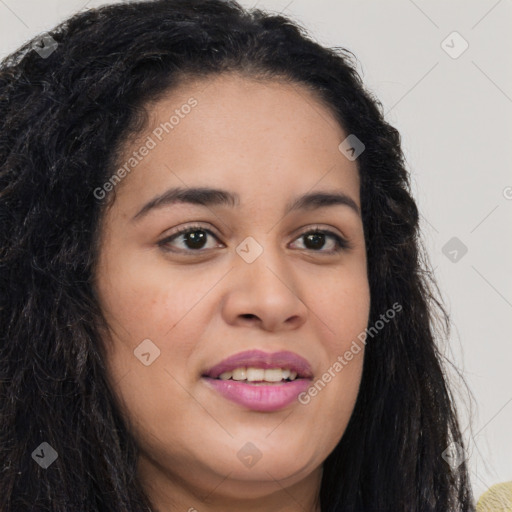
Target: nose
[264, 293]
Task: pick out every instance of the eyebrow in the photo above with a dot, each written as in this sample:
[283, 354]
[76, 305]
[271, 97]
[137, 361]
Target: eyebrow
[205, 196]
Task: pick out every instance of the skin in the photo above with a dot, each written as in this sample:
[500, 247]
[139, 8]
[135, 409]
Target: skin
[267, 141]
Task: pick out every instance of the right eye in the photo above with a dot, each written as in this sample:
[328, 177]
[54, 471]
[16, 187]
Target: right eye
[193, 239]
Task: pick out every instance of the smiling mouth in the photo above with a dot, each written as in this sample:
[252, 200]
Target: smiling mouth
[260, 381]
[259, 376]
[259, 394]
[259, 366]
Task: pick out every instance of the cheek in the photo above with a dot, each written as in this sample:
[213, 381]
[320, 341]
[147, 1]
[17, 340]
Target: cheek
[342, 303]
[342, 306]
[147, 302]
[141, 306]
[149, 298]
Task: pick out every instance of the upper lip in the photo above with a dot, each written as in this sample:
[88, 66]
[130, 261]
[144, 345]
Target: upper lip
[260, 359]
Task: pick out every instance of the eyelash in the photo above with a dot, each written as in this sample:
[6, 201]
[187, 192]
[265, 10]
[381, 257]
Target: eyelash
[342, 243]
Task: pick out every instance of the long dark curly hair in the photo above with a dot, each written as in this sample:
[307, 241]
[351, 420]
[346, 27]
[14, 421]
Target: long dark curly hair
[63, 119]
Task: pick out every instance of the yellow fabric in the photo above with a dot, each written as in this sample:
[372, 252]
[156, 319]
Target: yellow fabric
[497, 499]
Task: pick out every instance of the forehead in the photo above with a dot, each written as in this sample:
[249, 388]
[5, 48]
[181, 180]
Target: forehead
[237, 106]
[238, 131]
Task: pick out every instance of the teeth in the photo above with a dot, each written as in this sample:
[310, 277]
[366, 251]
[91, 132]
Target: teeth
[239, 374]
[259, 374]
[273, 375]
[254, 374]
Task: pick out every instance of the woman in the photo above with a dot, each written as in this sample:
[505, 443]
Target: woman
[214, 293]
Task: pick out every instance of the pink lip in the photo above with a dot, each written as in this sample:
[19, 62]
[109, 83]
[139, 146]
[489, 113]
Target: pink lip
[261, 397]
[260, 359]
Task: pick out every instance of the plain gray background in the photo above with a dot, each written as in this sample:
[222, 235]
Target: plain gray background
[454, 113]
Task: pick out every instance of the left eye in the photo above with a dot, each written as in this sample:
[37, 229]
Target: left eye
[318, 237]
[195, 238]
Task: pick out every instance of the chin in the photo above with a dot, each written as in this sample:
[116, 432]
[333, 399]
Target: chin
[272, 475]
[251, 462]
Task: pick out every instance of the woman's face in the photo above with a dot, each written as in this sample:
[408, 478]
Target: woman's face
[248, 278]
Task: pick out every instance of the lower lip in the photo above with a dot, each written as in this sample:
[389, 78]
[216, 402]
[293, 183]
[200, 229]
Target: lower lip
[260, 397]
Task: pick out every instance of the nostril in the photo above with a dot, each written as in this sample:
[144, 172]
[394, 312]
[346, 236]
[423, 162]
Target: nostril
[249, 315]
